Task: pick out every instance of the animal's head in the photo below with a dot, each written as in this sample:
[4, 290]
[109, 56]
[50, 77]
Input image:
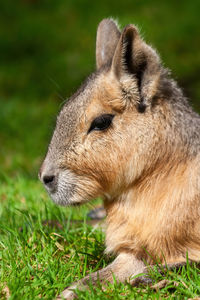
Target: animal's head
[105, 132]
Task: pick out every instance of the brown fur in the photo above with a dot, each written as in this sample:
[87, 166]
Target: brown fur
[143, 227]
[145, 165]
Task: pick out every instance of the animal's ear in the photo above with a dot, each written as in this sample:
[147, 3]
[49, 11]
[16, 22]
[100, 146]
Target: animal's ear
[108, 36]
[133, 56]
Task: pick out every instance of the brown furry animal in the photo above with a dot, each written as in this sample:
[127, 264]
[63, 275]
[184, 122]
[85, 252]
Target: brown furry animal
[129, 136]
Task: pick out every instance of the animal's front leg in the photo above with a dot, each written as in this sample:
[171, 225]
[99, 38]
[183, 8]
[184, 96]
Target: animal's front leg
[124, 266]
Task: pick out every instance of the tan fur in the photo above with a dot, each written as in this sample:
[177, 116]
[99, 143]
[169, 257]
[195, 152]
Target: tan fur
[147, 219]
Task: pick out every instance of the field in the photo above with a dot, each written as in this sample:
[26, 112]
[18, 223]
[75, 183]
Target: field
[46, 49]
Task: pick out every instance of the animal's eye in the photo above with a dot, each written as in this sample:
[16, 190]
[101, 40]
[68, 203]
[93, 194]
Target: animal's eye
[101, 123]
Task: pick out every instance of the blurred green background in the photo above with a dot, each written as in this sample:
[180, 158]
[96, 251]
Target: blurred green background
[47, 47]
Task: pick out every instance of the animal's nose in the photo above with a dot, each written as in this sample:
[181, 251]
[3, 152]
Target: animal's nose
[48, 179]
[47, 175]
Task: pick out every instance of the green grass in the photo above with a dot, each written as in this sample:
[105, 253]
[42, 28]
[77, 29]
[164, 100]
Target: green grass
[46, 49]
[39, 260]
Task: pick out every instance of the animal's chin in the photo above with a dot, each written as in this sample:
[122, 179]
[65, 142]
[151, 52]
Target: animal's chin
[64, 199]
[60, 199]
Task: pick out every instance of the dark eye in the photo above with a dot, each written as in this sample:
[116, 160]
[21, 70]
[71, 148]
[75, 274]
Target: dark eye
[101, 123]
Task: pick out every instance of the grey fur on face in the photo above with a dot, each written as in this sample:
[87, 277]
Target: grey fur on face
[65, 188]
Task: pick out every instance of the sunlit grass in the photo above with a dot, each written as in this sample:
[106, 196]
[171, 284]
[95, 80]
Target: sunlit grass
[44, 248]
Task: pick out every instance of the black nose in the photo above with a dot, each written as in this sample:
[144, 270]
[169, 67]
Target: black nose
[48, 179]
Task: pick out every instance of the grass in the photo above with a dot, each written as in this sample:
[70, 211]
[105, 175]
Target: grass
[46, 49]
[38, 260]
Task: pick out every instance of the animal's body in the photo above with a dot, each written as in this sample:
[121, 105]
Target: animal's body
[129, 136]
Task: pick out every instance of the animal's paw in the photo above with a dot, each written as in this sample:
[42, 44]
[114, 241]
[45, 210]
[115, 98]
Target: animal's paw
[68, 294]
[144, 280]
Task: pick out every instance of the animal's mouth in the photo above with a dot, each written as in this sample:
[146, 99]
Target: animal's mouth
[69, 189]
[51, 189]
[76, 203]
